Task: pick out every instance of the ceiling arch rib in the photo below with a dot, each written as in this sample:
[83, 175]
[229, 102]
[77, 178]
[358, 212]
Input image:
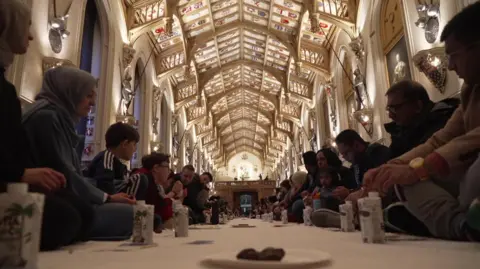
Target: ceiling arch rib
[244, 57]
[243, 148]
[230, 128]
[271, 100]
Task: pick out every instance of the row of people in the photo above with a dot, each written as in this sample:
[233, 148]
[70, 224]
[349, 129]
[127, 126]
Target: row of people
[428, 177]
[39, 149]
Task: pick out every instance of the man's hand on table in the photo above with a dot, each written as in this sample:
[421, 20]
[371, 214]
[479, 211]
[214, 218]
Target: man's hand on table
[383, 178]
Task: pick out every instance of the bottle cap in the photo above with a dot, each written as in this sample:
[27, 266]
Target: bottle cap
[373, 194]
[141, 202]
[21, 188]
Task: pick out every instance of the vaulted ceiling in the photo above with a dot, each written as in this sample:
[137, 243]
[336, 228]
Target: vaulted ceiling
[242, 69]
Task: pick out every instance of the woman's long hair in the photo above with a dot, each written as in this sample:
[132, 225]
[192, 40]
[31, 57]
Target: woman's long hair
[332, 158]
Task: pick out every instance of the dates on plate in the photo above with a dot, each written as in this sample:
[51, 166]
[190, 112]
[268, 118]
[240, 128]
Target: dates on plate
[268, 254]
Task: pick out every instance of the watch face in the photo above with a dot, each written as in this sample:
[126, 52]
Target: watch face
[416, 163]
[431, 30]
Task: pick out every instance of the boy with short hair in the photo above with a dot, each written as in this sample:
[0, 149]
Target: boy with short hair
[110, 174]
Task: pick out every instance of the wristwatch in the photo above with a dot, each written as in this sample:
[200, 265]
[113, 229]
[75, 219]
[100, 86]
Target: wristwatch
[109, 199]
[418, 166]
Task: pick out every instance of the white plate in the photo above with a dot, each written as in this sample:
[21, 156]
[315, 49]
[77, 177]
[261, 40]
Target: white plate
[294, 259]
[241, 225]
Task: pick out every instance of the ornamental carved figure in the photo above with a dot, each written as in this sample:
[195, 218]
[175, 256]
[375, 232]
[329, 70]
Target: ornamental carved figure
[128, 54]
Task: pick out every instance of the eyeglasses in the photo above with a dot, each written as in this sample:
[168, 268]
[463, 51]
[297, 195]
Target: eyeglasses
[462, 50]
[394, 108]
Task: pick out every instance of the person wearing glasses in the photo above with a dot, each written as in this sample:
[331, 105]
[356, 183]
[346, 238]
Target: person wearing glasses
[361, 154]
[451, 154]
[415, 118]
[156, 166]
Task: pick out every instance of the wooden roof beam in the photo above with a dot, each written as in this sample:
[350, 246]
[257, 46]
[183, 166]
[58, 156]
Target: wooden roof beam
[213, 100]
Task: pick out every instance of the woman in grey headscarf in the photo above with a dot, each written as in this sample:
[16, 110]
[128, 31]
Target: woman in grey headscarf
[66, 96]
[61, 219]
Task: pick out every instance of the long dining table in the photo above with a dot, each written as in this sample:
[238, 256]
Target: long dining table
[346, 249]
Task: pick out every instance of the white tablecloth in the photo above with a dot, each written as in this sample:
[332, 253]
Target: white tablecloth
[346, 249]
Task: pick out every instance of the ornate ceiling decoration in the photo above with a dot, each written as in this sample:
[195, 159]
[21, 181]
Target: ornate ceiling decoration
[242, 69]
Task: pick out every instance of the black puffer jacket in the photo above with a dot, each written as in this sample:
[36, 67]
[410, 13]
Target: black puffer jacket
[14, 143]
[406, 138]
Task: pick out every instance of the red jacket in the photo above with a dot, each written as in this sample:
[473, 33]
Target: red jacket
[163, 206]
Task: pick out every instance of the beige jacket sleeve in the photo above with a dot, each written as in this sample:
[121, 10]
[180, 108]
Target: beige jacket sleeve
[452, 143]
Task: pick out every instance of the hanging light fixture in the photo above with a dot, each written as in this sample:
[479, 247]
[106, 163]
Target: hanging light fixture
[57, 32]
[433, 64]
[428, 19]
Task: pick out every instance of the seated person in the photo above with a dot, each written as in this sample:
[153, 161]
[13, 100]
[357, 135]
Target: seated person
[156, 167]
[298, 180]
[451, 155]
[361, 154]
[109, 173]
[329, 181]
[284, 189]
[326, 159]
[202, 197]
[415, 118]
[194, 187]
[66, 96]
[310, 184]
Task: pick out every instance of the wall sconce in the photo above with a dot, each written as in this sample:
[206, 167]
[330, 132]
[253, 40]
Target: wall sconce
[127, 119]
[156, 146]
[58, 32]
[428, 20]
[433, 64]
[174, 161]
[50, 62]
[365, 118]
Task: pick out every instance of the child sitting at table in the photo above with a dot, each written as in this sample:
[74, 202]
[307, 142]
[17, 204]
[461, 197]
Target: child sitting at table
[329, 181]
[108, 168]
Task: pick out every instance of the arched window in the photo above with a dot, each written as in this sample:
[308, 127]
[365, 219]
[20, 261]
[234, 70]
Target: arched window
[90, 61]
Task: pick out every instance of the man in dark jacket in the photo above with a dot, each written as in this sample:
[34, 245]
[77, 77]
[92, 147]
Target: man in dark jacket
[362, 155]
[194, 187]
[415, 118]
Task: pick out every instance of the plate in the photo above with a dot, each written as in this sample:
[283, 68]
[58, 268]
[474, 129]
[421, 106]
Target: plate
[243, 226]
[204, 227]
[294, 259]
